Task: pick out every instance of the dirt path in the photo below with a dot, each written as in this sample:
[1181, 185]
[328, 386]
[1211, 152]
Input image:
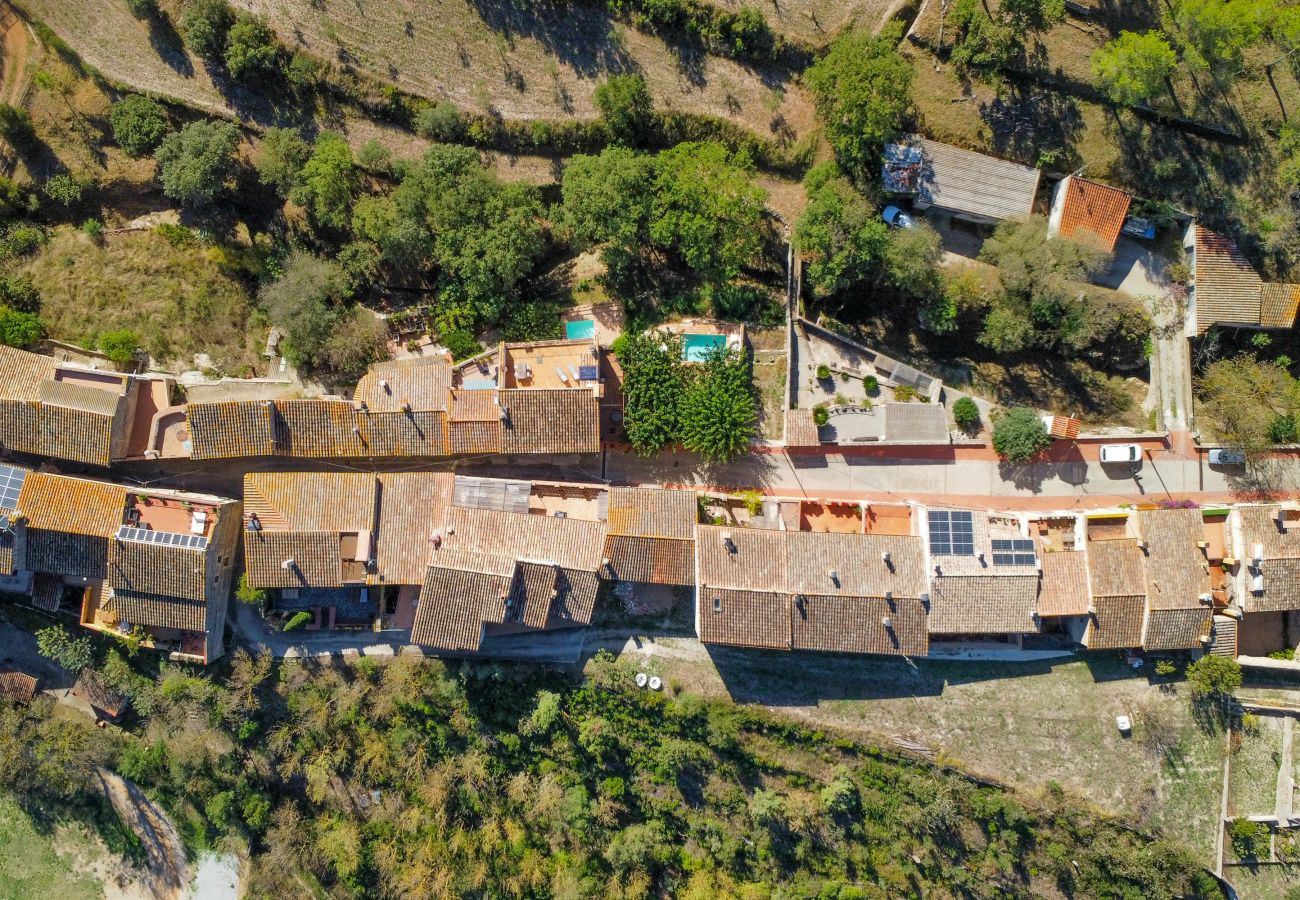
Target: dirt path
[16, 48]
[166, 872]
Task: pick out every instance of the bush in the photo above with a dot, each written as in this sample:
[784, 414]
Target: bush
[1284, 430]
[297, 620]
[821, 415]
[281, 154]
[871, 384]
[73, 653]
[93, 229]
[19, 329]
[1247, 836]
[1165, 667]
[139, 124]
[1214, 677]
[966, 413]
[904, 393]
[461, 344]
[205, 24]
[440, 121]
[196, 163]
[246, 593]
[20, 240]
[17, 292]
[625, 105]
[251, 47]
[823, 372]
[119, 345]
[1020, 435]
[143, 9]
[63, 189]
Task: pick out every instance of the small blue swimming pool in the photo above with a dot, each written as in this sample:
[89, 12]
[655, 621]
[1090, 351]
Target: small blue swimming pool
[582, 330]
[696, 347]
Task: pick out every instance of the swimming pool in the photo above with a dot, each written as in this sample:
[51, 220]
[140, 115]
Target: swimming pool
[581, 330]
[696, 347]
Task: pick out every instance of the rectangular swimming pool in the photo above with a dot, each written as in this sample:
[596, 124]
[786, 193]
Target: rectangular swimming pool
[582, 330]
[696, 347]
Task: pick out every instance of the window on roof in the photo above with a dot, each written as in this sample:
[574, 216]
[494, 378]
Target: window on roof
[717, 604]
[1013, 552]
[952, 532]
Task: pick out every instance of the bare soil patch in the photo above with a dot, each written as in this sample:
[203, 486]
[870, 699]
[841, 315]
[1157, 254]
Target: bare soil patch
[818, 21]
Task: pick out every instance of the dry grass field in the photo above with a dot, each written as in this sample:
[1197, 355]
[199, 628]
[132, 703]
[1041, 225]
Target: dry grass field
[526, 61]
[817, 21]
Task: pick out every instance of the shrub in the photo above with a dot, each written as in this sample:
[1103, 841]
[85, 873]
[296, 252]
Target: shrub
[821, 415]
[966, 413]
[93, 229]
[303, 72]
[139, 124]
[823, 372]
[73, 653]
[1020, 435]
[625, 105]
[143, 9]
[205, 23]
[281, 154]
[297, 620]
[1246, 837]
[246, 593]
[870, 384]
[20, 240]
[251, 47]
[440, 121]
[19, 329]
[1284, 430]
[17, 292]
[1165, 667]
[374, 156]
[461, 344]
[119, 345]
[63, 189]
[1214, 676]
[904, 393]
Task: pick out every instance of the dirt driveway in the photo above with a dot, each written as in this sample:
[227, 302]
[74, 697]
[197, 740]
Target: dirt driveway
[165, 875]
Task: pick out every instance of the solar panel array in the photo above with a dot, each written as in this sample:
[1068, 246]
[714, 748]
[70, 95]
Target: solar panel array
[167, 538]
[11, 483]
[1013, 552]
[952, 533]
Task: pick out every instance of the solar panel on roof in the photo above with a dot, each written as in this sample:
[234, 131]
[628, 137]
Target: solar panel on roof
[587, 373]
[1013, 552]
[166, 538]
[11, 484]
[952, 533]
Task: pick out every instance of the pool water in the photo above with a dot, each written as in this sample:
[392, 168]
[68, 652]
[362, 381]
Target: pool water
[582, 330]
[696, 347]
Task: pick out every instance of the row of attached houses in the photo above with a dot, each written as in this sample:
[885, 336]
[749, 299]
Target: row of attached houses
[522, 398]
[121, 560]
[469, 564]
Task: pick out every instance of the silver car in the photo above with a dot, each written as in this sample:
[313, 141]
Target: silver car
[1227, 456]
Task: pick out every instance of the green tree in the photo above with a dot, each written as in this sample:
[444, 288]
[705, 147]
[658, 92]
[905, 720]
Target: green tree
[63, 189]
[281, 155]
[1134, 68]
[19, 329]
[139, 124]
[11, 197]
[119, 345]
[913, 257]
[719, 412]
[72, 653]
[707, 210]
[1213, 33]
[143, 9]
[246, 593]
[862, 88]
[653, 384]
[982, 42]
[16, 126]
[1019, 435]
[625, 105]
[1214, 677]
[441, 121]
[966, 413]
[205, 23]
[328, 182]
[19, 293]
[196, 163]
[840, 235]
[1242, 399]
[1032, 15]
[251, 47]
[608, 201]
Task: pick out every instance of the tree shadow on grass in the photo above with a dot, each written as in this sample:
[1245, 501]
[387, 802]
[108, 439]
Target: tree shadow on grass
[167, 43]
[580, 37]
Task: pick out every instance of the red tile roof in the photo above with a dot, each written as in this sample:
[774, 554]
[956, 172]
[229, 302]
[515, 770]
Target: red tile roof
[1227, 288]
[1092, 214]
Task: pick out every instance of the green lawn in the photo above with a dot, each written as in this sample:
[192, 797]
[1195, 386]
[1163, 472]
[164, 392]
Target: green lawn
[1253, 786]
[1263, 882]
[29, 865]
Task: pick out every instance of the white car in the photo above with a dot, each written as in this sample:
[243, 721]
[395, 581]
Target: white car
[1121, 453]
[896, 217]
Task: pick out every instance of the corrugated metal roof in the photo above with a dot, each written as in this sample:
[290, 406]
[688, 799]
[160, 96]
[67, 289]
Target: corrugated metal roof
[973, 183]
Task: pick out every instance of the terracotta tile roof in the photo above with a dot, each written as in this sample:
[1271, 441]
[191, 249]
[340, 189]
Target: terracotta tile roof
[474, 406]
[800, 429]
[159, 610]
[79, 397]
[1117, 623]
[69, 523]
[653, 512]
[311, 501]
[1281, 587]
[1176, 629]
[533, 589]
[983, 604]
[232, 429]
[857, 624]
[449, 615]
[1259, 526]
[984, 529]
[18, 687]
[47, 591]
[1065, 427]
[1277, 305]
[409, 506]
[1227, 288]
[421, 382]
[542, 420]
[21, 373]
[474, 437]
[1092, 214]
[1064, 588]
[1116, 568]
[1177, 572]
[788, 565]
[311, 428]
[651, 560]
[315, 555]
[32, 427]
[742, 618]
[138, 568]
[486, 540]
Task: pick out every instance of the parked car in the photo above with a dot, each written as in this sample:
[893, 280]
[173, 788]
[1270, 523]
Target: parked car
[1227, 456]
[1121, 453]
[896, 217]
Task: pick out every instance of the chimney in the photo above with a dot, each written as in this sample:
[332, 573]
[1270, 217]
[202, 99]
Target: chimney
[888, 623]
[437, 540]
[288, 564]
[728, 542]
[1143, 546]
[885, 558]
[834, 576]
[383, 386]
